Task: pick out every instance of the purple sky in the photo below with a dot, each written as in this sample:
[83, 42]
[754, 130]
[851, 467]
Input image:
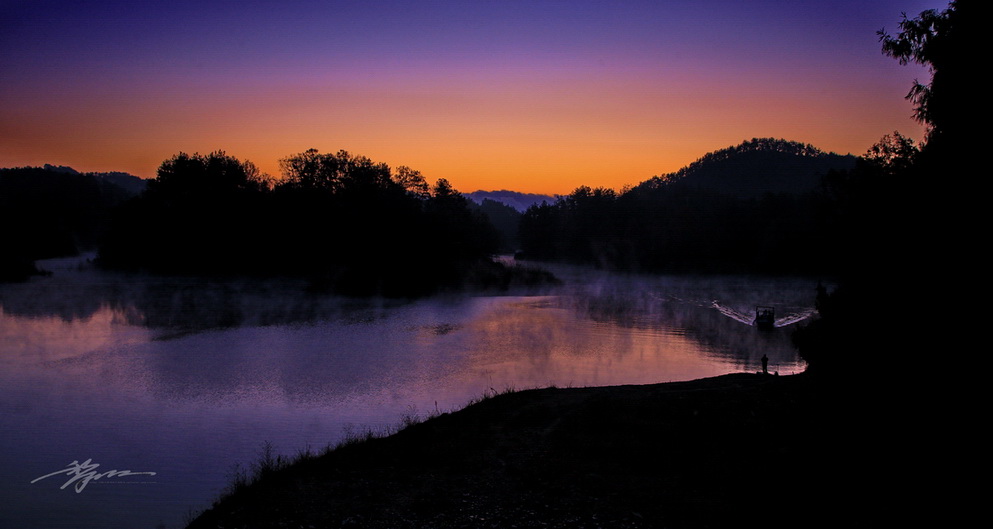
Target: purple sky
[532, 96]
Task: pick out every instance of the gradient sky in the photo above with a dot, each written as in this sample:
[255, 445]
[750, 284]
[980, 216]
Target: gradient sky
[531, 96]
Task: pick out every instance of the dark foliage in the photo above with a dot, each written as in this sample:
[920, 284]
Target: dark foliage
[756, 207]
[947, 42]
[505, 220]
[910, 216]
[719, 452]
[16, 268]
[348, 224]
[517, 200]
[196, 216]
[53, 212]
[756, 168]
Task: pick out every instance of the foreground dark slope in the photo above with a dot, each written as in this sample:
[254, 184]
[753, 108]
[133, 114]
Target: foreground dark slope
[737, 450]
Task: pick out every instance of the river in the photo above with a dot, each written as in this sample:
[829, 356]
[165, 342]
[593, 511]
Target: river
[188, 380]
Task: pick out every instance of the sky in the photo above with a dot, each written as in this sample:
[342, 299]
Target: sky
[539, 97]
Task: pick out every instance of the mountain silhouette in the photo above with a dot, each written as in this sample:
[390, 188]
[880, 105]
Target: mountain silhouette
[755, 168]
[514, 199]
[758, 207]
[130, 184]
[55, 211]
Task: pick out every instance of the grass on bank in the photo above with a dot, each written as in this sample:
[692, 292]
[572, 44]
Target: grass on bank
[736, 450]
[269, 462]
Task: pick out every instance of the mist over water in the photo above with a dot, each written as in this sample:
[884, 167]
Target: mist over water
[187, 379]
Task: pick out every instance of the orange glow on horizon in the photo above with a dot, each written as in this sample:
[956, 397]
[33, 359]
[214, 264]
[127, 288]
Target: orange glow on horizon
[536, 142]
[519, 119]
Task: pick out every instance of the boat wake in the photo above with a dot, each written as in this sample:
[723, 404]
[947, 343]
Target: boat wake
[795, 317]
[749, 319]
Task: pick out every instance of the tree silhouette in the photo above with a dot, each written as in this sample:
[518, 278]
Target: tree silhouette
[211, 176]
[505, 219]
[337, 172]
[344, 222]
[904, 206]
[947, 43]
[412, 182]
[755, 207]
[892, 154]
[193, 218]
[881, 344]
[53, 212]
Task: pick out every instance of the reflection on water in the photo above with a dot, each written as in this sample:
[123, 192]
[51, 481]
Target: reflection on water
[187, 378]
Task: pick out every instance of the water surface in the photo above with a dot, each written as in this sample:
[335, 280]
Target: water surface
[188, 379]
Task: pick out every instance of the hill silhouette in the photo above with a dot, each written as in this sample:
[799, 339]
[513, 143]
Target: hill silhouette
[758, 207]
[514, 199]
[756, 167]
[131, 185]
[505, 220]
[55, 211]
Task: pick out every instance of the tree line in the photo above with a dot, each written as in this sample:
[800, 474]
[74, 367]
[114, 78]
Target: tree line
[50, 211]
[757, 207]
[344, 222]
[912, 221]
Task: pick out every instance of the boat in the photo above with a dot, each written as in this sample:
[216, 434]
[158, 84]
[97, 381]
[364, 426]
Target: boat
[765, 317]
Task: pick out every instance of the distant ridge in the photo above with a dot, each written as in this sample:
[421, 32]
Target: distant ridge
[56, 211]
[514, 199]
[130, 183]
[756, 167]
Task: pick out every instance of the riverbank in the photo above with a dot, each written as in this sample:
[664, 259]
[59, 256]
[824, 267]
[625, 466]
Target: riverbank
[733, 450]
